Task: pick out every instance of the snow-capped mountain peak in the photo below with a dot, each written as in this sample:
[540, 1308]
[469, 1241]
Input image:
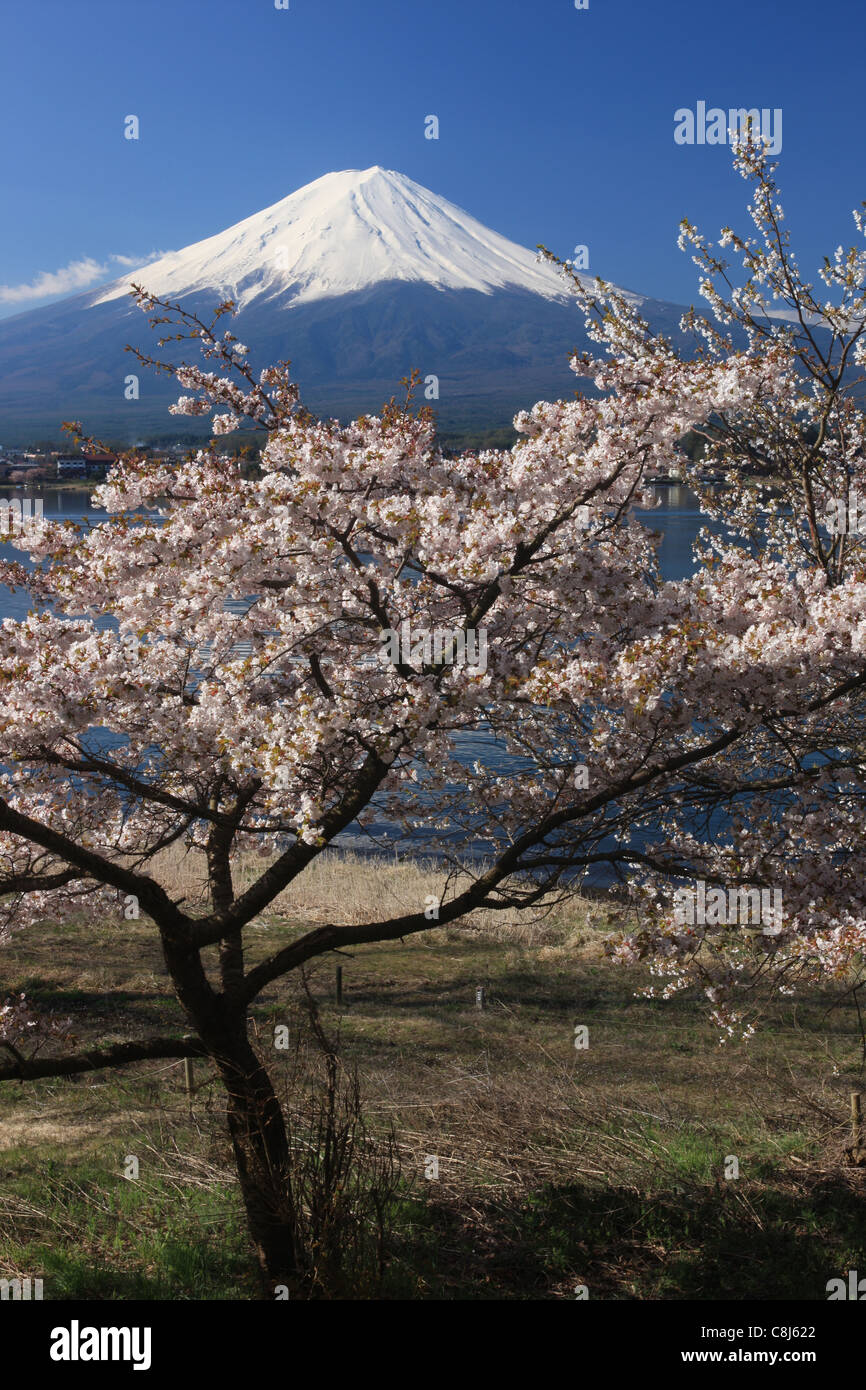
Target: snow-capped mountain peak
[346, 232]
[357, 278]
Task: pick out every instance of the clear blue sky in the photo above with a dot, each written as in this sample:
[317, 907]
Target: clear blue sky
[556, 124]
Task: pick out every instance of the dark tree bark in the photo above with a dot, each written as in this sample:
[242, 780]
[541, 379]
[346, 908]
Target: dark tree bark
[263, 1158]
[255, 1118]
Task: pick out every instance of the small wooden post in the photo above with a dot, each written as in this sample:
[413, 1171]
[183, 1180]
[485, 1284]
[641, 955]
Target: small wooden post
[480, 997]
[339, 984]
[188, 1076]
[856, 1119]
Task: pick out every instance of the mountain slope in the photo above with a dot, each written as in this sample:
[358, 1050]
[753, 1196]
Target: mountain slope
[357, 278]
[345, 233]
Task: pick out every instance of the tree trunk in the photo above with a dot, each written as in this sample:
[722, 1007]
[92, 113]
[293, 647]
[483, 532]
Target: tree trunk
[262, 1155]
[255, 1118]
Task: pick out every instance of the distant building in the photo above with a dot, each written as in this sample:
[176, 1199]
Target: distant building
[71, 466]
[84, 465]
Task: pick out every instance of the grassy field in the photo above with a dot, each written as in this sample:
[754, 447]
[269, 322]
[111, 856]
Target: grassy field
[557, 1168]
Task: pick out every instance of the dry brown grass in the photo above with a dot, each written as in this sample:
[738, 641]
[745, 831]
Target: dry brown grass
[349, 888]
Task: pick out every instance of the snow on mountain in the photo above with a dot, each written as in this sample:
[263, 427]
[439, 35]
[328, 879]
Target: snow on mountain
[343, 233]
[358, 278]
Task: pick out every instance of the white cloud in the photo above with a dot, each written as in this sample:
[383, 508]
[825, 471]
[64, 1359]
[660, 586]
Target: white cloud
[132, 261]
[77, 275]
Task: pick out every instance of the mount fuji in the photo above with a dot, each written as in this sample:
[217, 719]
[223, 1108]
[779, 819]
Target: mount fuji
[357, 278]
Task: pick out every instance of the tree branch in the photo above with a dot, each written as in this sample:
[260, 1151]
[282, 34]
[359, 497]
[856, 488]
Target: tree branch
[118, 1055]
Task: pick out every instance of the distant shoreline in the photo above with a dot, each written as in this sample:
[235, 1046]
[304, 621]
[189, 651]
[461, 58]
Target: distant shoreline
[86, 484]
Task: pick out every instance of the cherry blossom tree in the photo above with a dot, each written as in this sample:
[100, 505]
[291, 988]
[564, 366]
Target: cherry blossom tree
[778, 618]
[241, 701]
